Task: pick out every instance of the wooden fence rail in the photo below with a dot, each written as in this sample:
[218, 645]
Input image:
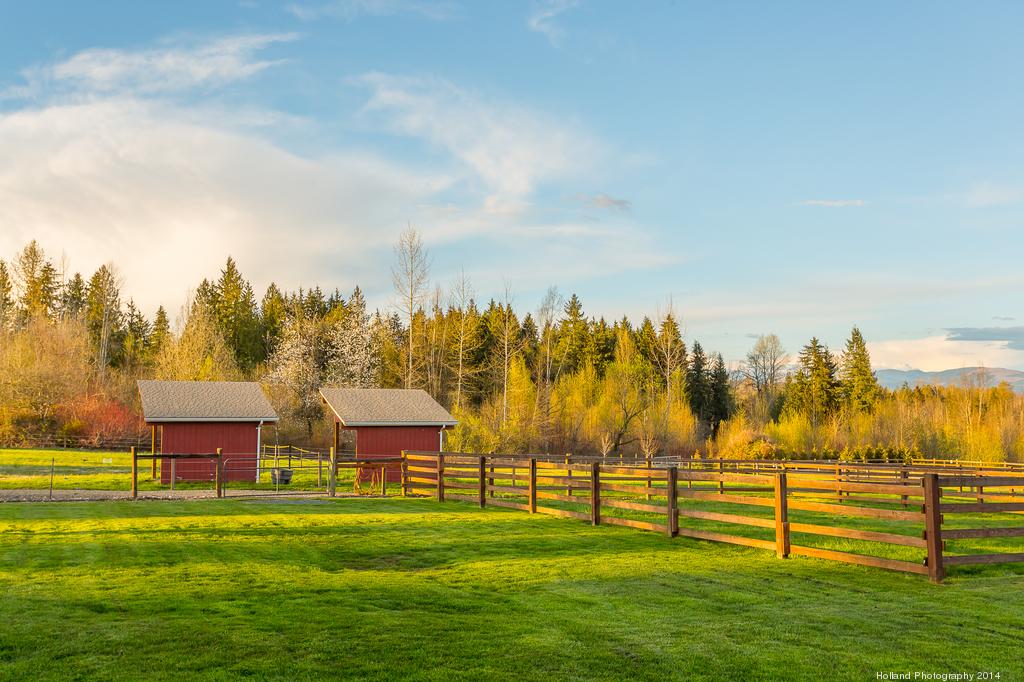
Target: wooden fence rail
[657, 497]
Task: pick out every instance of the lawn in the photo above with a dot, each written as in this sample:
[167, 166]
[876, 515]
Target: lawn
[409, 588]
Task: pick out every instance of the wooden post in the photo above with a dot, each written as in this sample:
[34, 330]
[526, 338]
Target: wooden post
[781, 517]
[135, 474]
[721, 484]
[383, 479]
[405, 474]
[648, 494]
[673, 501]
[933, 528]
[533, 485]
[482, 473]
[904, 474]
[220, 472]
[174, 471]
[595, 493]
[319, 469]
[152, 449]
[568, 473]
[440, 477]
[490, 480]
[332, 473]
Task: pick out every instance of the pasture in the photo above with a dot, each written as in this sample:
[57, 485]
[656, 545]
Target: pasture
[381, 588]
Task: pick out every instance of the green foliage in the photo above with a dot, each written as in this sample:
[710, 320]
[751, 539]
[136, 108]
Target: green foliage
[860, 389]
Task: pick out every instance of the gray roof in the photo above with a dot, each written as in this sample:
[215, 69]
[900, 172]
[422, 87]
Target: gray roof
[204, 401]
[386, 407]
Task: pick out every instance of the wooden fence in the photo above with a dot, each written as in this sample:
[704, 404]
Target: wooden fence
[903, 506]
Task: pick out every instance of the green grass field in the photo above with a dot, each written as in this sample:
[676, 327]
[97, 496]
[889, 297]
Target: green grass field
[409, 588]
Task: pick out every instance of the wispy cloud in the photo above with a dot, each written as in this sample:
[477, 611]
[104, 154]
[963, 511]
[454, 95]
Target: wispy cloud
[350, 10]
[606, 202]
[1012, 337]
[511, 149]
[833, 203]
[543, 18]
[986, 194]
[167, 69]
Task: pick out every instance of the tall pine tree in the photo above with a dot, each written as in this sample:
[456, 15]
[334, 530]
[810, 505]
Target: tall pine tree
[860, 388]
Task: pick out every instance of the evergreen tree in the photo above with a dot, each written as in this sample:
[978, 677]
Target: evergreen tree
[234, 306]
[859, 386]
[647, 341]
[601, 342]
[137, 336]
[103, 317]
[36, 281]
[572, 337]
[721, 393]
[814, 390]
[72, 303]
[6, 298]
[273, 313]
[698, 384]
[160, 334]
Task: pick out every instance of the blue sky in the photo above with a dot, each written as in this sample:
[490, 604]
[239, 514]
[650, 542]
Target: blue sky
[794, 168]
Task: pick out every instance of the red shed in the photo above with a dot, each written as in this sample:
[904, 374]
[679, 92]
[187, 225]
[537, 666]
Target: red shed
[388, 420]
[197, 417]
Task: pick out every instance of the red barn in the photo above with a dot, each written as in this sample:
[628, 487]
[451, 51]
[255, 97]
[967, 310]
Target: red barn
[388, 420]
[197, 417]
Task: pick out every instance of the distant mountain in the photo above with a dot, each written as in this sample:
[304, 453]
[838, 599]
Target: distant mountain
[986, 376]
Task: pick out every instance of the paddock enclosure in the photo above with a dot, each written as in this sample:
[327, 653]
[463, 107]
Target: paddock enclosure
[924, 518]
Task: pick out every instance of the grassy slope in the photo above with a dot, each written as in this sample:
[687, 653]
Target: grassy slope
[382, 588]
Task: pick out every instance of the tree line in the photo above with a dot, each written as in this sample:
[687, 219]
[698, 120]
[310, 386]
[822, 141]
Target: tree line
[553, 379]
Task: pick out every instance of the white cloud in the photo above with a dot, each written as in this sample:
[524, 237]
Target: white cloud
[168, 197]
[510, 148]
[935, 353]
[113, 161]
[542, 18]
[353, 9]
[168, 69]
[833, 203]
[984, 195]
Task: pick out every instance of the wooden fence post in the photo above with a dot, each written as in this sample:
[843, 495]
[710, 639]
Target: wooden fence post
[904, 474]
[219, 473]
[440, 477]
[135, 474]
[933, 528]
[648, 494]
[174, 471]
[482, 473]
[673, 501]
[568, 473]
[383, 479]
[533, 485]
[490, 479]
[332, 473]
[152, 450]
[781, 517]
[595, 493]
[405, 473]
[721, 484]
[319, 469]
